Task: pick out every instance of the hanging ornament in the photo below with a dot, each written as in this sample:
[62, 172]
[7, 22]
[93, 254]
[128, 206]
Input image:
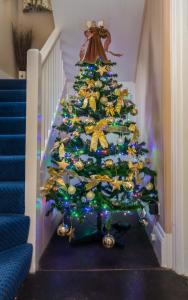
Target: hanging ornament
[104, 100]
[90, 195]
[98, 83]
[149, 186]
[120, 140]
[63, 229]
[108, 163]
[106, 88]
[71, 190]
[134, 111]
[108, 241]
[79, 165]
[128, 185]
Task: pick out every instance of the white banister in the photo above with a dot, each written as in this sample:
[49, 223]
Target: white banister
[45, 83]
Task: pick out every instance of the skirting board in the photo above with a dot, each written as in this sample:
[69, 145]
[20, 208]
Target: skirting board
[3, 75]
[161, 242]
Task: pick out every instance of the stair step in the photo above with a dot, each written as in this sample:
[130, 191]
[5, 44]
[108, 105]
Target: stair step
[12, 84]
[14, 125]
[13, 230]
[12, 168]
[12, 95]
[14, 267]
[12, 144]
[12, 109]
[12, 196]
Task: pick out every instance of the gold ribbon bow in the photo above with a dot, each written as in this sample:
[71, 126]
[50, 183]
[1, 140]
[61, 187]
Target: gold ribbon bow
[119, 103]
[96, 179]
[89, 97]
[110, 111]
[97, 135]
[55, 177]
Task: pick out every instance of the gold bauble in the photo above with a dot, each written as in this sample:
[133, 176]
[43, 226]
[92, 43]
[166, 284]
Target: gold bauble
[108, 241]
[104, 100]
[108, 163]
[90, 195]
[62, 230]
[134, 111]
[79, 165]
[117, 92]
[149, 186]
[71, 190]
[128, 185]
[98, 83]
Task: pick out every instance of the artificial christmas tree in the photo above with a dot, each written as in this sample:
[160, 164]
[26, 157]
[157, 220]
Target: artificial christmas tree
[97, 148]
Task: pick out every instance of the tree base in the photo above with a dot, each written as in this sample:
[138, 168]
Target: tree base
[118, 231]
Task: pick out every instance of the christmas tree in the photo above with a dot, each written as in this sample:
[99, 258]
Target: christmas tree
[98, 147]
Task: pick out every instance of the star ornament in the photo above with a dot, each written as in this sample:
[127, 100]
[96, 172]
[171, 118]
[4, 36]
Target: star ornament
[62, 164]
[102, 70]
[116, 184]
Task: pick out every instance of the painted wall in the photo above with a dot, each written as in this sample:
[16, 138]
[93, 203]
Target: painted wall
[153, 97]
[8, 14]
[42, 25]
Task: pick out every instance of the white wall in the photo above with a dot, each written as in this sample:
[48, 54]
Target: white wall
[8, 14]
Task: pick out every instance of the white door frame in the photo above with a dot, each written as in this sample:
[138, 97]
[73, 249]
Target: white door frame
[179, 121]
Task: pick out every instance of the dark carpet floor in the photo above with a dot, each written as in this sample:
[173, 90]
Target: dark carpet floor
[91, 272]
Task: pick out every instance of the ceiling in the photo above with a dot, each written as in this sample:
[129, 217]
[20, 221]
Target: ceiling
[123, 18]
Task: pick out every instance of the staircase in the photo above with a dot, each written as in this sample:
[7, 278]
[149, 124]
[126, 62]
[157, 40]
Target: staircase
[15, 252]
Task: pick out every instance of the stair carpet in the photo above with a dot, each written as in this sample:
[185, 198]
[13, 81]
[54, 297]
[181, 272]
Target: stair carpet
[15, 252]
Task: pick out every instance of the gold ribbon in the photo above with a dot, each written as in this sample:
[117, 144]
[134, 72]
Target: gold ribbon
[133, 129]
[55, 177]
[89, 97]
[110, 111]
[97, 135]
[96, 179]
[119, 103]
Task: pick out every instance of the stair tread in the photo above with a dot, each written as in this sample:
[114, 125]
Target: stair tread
[14, 230]
[14, 267]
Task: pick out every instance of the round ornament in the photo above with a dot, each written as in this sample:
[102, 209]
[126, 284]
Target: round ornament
[108, 241]
[71, 190]
[128, 185]
[98, 83]
[108, 163]
[79, 165]
[90, 195]
[149, 186]
[63, 229]
[104, 100]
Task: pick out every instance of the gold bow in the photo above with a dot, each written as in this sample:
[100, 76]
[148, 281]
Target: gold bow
[89, 97]
[110, 111]
[55, 177]
[97, 135]
[136, 166]
[131, 151]
[119, 103]
[96, 179]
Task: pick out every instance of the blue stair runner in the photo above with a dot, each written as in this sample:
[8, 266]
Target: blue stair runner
[15, 252]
